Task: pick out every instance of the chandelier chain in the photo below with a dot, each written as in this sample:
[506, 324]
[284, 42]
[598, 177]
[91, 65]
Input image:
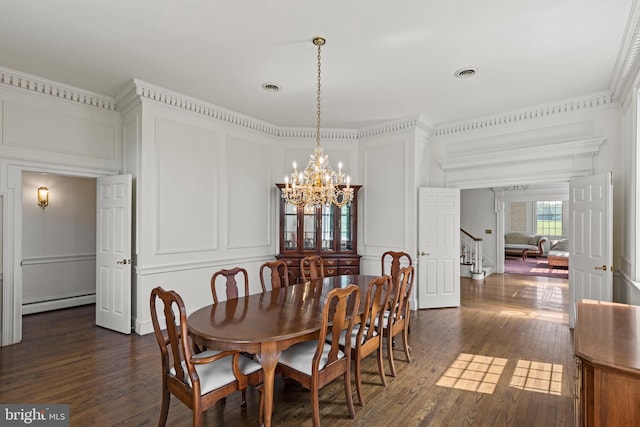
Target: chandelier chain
[318, 98]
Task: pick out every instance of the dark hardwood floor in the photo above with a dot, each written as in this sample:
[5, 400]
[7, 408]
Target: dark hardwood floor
[504, 358]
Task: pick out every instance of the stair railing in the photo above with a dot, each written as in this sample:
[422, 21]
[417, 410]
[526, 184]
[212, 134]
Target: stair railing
[471, 252]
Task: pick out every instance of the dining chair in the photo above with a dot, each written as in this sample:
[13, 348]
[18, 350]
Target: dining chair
[398, 260]
[364, 338]
[198, 380]
[279, 273]
[231, 283]
[316, 363]
[311, 268]
[396, 318]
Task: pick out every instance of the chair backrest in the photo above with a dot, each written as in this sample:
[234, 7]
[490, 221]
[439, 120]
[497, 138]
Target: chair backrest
[279, 273]
[398, 260]
[174, 342]
[231, 283]
[338, 314]
[400, 304]
[376, 301]
[312, 264]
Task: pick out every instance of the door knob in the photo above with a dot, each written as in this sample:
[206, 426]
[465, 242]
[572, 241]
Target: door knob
[424, 254]
[124, 261]
[603, 268]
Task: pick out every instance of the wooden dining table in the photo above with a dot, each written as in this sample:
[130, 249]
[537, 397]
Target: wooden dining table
[267, 323]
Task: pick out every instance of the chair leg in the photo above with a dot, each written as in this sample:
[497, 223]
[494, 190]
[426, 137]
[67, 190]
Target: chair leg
[164, 409]
[197, 417]
[261, 407]
[358, 381]
[383, 377]
[243, 403]
[405, 339]
[315, 406]
[390, 355]
[347, 392]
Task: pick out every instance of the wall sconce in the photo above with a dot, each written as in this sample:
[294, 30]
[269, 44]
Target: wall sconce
[43, 197]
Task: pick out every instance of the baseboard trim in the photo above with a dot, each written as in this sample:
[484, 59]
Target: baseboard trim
[38, 307]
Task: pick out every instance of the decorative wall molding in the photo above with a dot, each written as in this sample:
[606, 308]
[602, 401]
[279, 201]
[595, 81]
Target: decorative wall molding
[18, 80]
[561, 107]
[627, 64]
[54, 259]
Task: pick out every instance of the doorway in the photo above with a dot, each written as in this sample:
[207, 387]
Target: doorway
[58, 242]
[12, 242]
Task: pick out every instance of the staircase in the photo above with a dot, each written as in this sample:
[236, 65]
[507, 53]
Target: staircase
[471, 259]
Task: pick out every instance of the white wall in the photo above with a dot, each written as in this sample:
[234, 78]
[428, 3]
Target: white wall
[58, 242]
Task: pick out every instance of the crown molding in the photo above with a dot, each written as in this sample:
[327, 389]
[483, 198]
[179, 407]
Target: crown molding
[18, 80]
[594, 101]
[627, 63]
[402, 125]
[137, 89]
[148, 91]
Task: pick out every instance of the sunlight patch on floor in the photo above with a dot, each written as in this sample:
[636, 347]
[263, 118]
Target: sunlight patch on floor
[473, 372]
[537, 376]
[541, 315]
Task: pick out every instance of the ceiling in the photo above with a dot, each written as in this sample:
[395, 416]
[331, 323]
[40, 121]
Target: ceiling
[383, 60]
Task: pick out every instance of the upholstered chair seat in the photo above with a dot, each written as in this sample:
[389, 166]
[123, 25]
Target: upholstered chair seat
[218, 374]
[300, 356]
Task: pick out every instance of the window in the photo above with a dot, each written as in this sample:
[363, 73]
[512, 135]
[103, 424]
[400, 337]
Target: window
[549, 218]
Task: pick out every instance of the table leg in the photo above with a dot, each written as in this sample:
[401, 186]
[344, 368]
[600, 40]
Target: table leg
[268, 358]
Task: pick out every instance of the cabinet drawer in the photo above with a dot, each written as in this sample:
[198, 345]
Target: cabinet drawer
[331, 271]
[349, 262]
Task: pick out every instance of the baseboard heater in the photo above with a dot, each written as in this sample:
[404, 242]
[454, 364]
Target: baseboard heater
[56, 304]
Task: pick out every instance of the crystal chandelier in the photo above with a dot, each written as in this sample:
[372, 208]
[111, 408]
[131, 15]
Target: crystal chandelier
[318, 185]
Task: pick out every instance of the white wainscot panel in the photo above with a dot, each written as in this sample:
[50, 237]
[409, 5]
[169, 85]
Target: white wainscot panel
[68, 132]
[250, 188]
[188, 193]
[384, 204]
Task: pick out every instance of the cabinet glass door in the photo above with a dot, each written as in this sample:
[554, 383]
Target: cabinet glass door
[346, 228]
[308, 228]
[327, 228]
[290, 227]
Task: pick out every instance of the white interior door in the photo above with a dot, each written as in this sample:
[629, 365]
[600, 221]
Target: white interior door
[113, 253]
[591, 240]
[438, 247]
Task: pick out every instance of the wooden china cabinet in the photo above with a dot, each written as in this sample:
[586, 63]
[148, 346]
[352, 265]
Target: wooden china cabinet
[328, 231]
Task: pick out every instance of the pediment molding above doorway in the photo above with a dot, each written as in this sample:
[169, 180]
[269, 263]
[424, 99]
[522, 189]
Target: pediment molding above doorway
[514, 159]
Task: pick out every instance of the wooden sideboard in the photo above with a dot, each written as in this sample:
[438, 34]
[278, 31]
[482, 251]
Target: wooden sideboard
[607, 354]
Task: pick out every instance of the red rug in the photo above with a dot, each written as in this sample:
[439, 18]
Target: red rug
[534, 267]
